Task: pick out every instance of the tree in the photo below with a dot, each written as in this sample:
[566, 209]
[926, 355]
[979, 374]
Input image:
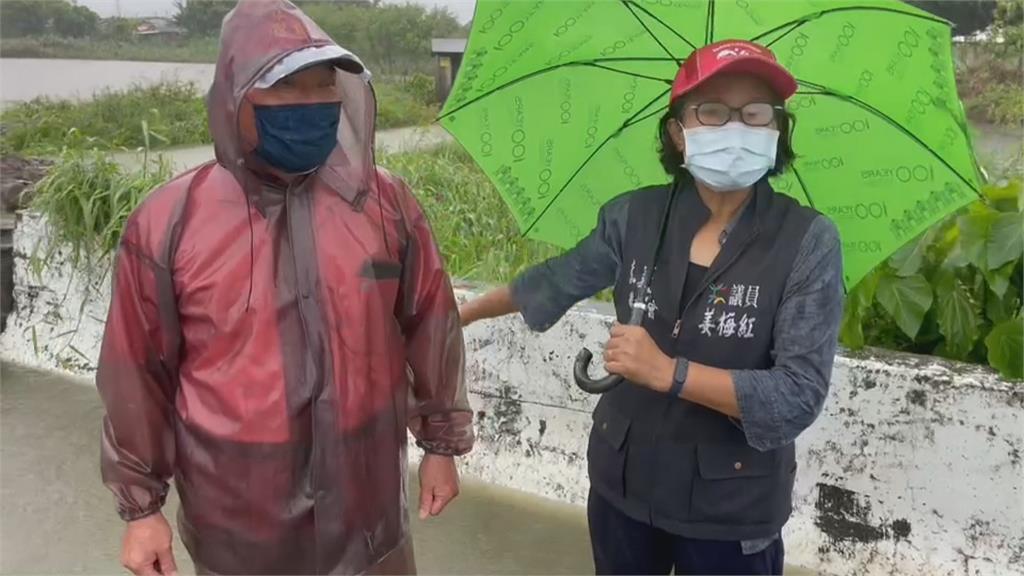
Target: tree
[390, 38]
[1010, 23]
[38, 17]
[75, 21]
[25, 17]
[967, 16]
[116, 28]
[202, 17]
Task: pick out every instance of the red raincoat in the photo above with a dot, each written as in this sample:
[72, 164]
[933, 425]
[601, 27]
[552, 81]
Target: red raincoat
[268, 345]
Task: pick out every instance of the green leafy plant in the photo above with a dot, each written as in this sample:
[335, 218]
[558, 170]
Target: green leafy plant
[954, 292]
[87, 197]
[475, 230]
[174, 112]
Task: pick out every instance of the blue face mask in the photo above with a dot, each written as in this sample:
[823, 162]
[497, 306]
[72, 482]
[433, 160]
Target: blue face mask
[297, 138]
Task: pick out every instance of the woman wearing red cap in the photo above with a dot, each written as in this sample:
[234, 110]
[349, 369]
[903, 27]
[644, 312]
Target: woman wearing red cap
[692, 461]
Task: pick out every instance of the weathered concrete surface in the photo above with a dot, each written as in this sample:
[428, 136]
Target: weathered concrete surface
[913, 468]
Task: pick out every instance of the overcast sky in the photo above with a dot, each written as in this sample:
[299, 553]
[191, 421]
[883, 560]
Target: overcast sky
[463, 9]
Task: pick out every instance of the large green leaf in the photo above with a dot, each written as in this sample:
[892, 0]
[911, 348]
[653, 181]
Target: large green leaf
[1009, 191]
[999, 278]
[906, 300]
[908, 260]
[1000, 309]
[1006, 240]
[1005, 344]
[958, 321]
[974, 234]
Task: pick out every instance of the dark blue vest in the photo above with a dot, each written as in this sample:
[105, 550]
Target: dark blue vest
[683, 467]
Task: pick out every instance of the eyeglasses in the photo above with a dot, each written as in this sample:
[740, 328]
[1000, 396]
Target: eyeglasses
[756, 114]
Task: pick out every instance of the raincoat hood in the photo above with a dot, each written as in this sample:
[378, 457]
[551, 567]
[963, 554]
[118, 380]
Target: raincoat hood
[256, 36]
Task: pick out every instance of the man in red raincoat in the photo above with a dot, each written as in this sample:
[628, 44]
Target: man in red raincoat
[279, 318]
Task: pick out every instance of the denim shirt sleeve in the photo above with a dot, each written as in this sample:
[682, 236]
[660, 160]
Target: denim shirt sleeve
[777, 404]
[544, 293]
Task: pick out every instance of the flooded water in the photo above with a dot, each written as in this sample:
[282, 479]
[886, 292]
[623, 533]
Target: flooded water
[27, 78]
[59, 519]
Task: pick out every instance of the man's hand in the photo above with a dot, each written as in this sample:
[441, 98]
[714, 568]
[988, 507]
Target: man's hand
[439, 484]
[146, 550]
[632, 354]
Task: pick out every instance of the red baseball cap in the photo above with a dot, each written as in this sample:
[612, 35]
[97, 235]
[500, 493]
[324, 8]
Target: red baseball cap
[737, 56]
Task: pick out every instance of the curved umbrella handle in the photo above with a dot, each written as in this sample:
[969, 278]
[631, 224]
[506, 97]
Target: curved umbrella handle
[581, 372]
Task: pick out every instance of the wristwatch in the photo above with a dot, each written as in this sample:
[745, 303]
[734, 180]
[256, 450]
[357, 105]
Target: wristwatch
[679, 377]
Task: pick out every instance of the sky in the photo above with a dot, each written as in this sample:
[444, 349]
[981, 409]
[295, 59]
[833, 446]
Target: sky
[463, 9]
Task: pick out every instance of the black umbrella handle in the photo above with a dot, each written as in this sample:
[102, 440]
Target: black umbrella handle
[581, 369]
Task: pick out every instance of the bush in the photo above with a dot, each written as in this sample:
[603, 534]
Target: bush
[421, 87]
[167, 114]
[159, 115]
[397, 107]
[474, 228]
[115, 45]
[36, 17]
[954, 292]
[992, 86]
[202, 18]
[87, 197]
[75, 22]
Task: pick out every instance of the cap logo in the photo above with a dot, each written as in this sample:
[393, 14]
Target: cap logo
[734, 51]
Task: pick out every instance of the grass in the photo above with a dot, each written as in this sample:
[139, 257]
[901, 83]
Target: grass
[203, 50]
[168, 114]
[87, 197]
[474, 228]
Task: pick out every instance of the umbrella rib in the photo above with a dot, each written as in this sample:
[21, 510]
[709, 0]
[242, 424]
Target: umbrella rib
[616, 70]
[823, 91]
[662, 22]
[801, 21]
[709, 30]
[632, 121]
[629, 6]
[550, 69]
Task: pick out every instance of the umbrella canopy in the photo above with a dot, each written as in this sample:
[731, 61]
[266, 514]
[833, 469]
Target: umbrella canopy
[560, 102]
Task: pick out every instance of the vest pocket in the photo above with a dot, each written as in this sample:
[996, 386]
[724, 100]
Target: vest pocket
[606, 452]
[734, 484]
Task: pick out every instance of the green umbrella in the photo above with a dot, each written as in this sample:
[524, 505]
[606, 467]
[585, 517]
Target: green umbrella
[559, 102]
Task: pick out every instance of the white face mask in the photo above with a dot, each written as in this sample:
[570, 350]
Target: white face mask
[730, 157]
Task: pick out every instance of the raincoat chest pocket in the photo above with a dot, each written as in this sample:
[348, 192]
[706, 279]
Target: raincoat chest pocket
[734, 484]
[607, 451]
[366, 307]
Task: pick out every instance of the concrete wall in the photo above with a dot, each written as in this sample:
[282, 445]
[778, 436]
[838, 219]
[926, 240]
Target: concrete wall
[913, 468]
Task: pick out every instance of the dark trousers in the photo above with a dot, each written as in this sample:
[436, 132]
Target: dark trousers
[624, 546]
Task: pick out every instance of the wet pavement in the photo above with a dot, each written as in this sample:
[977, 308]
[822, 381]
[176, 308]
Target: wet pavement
[59, 519]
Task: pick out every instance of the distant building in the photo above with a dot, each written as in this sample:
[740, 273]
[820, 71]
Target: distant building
[163, 28]
[449, 53]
